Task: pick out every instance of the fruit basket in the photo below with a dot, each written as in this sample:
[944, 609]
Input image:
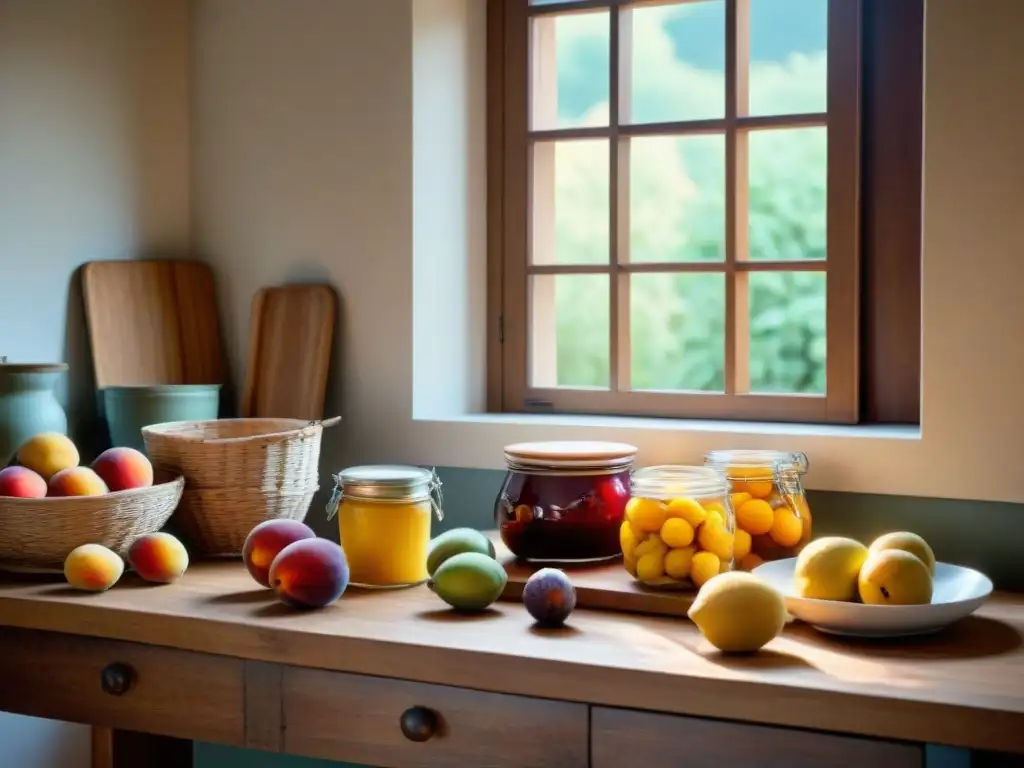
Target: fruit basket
[238, 473]
[37, 534]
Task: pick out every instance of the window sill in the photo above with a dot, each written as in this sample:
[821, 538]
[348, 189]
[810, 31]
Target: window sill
[878, 459]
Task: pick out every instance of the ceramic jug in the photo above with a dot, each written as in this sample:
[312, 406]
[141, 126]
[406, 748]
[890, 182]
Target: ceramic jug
[28, 404]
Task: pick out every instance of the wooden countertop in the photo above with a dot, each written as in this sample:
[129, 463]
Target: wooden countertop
[964, 687]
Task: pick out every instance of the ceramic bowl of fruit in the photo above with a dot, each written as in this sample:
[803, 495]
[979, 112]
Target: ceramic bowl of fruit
[892, 588]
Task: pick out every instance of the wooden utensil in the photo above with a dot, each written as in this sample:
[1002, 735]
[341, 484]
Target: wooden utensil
[152, 321]
[292, 331]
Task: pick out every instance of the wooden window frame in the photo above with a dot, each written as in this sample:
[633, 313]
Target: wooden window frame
[873, 216]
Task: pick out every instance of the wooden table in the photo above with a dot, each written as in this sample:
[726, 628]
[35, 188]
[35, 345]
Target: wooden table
[213, 658]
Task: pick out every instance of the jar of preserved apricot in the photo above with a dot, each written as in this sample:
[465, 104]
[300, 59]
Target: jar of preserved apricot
[563, 502]
[769, 501]
[384, 517]
[679, 527]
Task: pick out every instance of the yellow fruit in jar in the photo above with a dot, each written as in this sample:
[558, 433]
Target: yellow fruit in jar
[738, 613]
[650, 566]
[715, 538]
[908, 542]
[827, 569]
[787, 529]
[755, 516]
[677, 562]
[739, 498]
[759, 489]
[627, 539]
[689, 510]
[647, 515]
[703, 567]
[715, 517]
[750, 561]
[741, 542]
[651, 544]
[676, 532]
[630, 564]
[894, 577]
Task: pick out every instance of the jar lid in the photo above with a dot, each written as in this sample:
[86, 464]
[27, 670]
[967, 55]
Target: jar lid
[386, 482]
[729, 460]
[574, 454]
[673, 481]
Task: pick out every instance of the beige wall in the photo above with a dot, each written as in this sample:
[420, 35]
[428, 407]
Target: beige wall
[94, 160]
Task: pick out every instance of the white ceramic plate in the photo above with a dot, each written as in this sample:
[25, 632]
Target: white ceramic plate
[957, 592]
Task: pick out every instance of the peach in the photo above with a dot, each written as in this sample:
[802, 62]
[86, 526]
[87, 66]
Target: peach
[21, 482]
[310, 573]
[265, 541]
[123, 469]
[76, 481]
[158, 557]
[48, 453]
[93, 567]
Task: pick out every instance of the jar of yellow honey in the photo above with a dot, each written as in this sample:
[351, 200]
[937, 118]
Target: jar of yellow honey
[384, 516]
[769, 501]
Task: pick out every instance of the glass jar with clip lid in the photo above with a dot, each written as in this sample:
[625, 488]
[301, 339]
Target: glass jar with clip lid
[769, 500]
[384, 517]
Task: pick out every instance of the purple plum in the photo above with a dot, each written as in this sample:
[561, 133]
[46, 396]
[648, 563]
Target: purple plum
[549, 596]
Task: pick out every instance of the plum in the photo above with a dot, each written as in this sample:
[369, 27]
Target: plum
[309, 573]
[549, 596]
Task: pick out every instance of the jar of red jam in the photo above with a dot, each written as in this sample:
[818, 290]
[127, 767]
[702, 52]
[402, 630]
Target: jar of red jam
[564, 502]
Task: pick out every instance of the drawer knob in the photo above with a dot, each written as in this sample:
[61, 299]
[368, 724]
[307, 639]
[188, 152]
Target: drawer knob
[116, 679]
[418, 723]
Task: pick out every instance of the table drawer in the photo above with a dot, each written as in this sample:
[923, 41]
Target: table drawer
[627, 737]
[358, 719]
[122, 685]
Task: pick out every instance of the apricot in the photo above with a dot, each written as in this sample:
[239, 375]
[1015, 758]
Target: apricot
[93, 568]
[123, 469]
[48, 453]
[310, 573]
[266, 540]
[22, 483]
[76, 481]
[158, 557]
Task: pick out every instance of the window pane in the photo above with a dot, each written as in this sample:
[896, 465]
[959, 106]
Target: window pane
[677, 198]
[787, 197]
[787, 332]
[678, 62]
[569, 61]
[788, 59]
[570, 209]
[677, 331]
[569, 331]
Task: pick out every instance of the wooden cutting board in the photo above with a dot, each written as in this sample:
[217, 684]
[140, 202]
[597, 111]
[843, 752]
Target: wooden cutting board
[152, 322]
[606, 586]
[291, 337]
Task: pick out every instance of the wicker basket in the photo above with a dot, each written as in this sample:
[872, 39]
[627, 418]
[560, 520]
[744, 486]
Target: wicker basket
[238, 473]
[38, 534]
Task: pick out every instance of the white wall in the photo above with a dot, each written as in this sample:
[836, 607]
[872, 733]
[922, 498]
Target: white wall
[94, 164]
[94, 160]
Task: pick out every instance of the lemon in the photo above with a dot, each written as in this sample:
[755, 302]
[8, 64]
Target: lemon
[908, 542]
[741, 543]
[678, 561]
[894, 577]
[737, 612]
[676, 532]
[650, 566]
[827, 568]
[713, 537]
[703, 567]
[627, 539]
[755, 516]
[689, 510]
[787, 529]
[646, 514]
